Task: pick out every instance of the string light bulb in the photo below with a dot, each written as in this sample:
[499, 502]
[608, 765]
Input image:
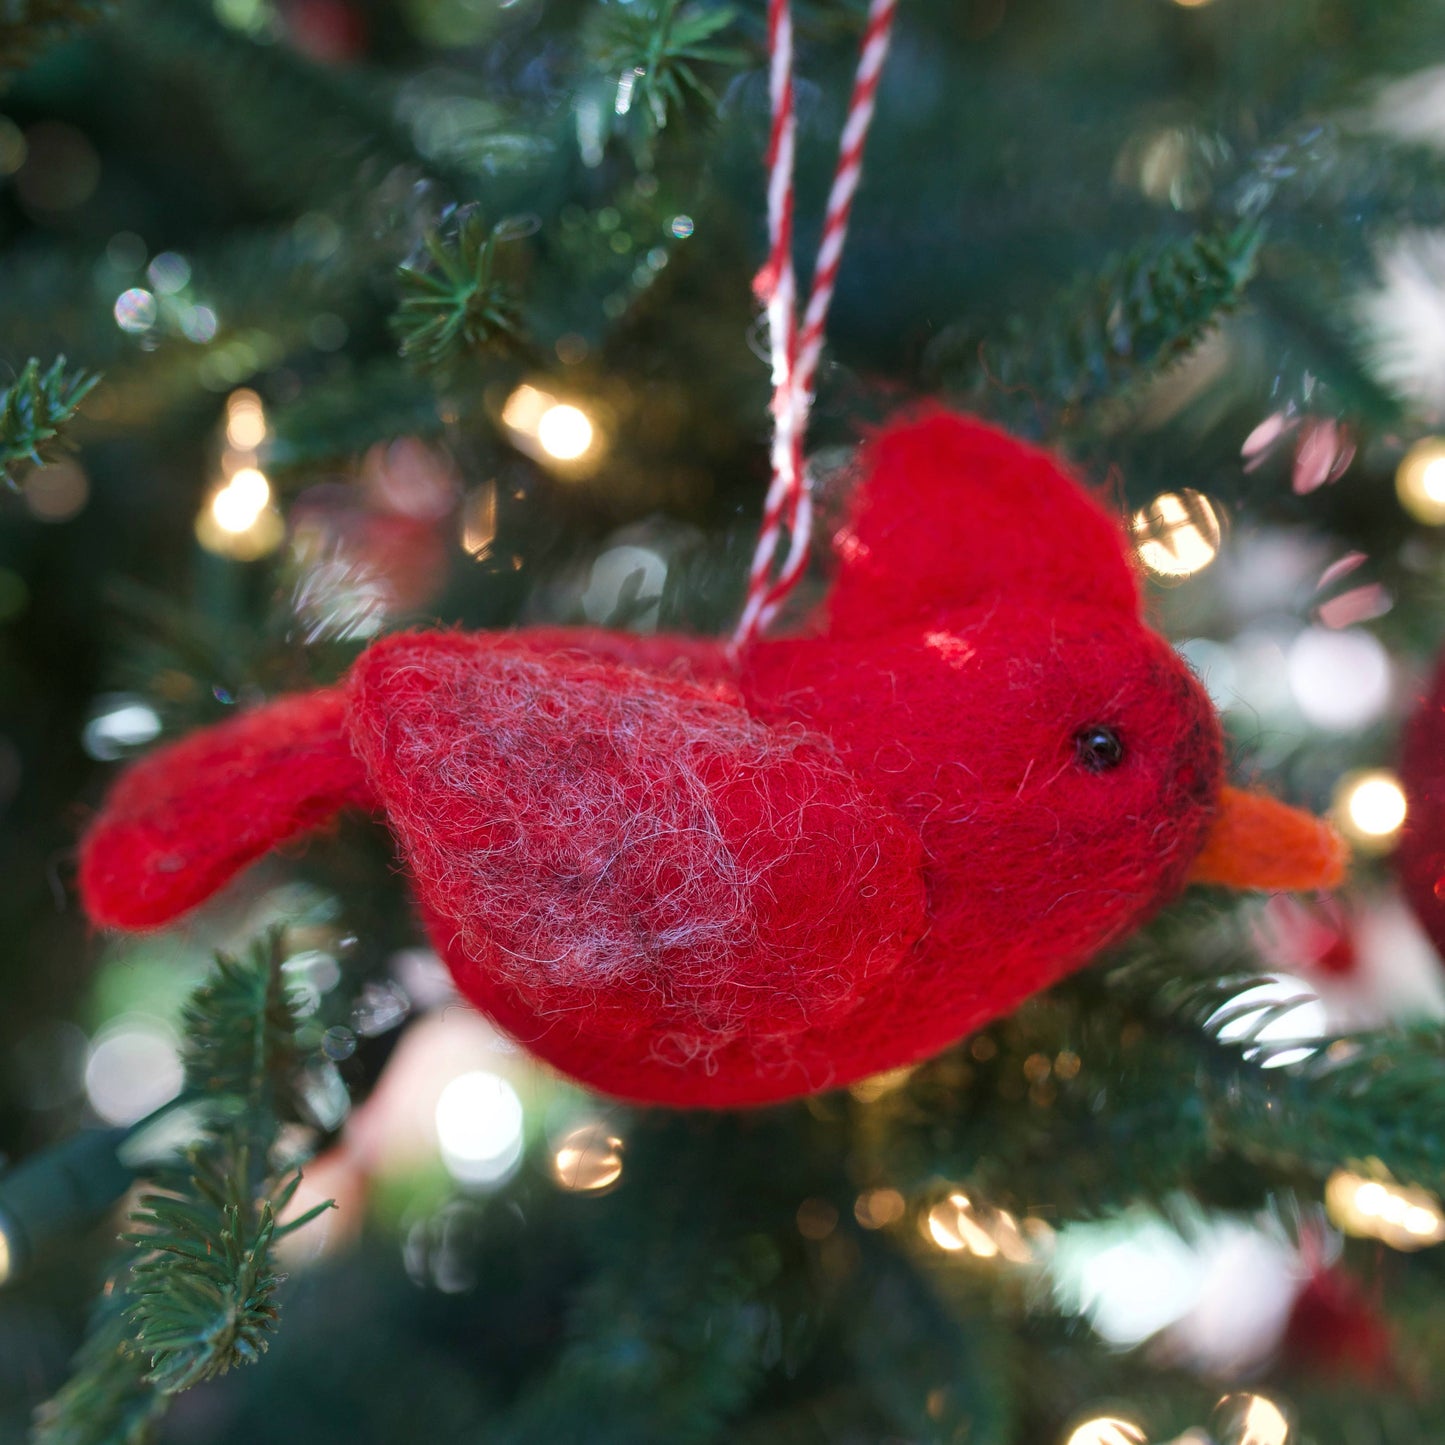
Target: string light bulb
[1253, 1420]
[1403, 1218]
[245, 421]
[1370, 808]
[1420, 481]
[1177, 534]
[958, 1224]
[238, 521]
[1107, 1430]
[552, 430]
[479, 1127]
[588, 1160]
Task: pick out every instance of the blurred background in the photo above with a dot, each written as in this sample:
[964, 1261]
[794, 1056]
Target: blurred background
[440, 310]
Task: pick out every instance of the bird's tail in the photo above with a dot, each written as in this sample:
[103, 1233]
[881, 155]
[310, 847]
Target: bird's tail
[185, 820]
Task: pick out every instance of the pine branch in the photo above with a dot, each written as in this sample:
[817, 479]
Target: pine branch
[29, 26]
[203, 1302]
[198, 1295]
[653, 48]
[1145, 311]
[107, 1400]
[34, 408]
[459, 306]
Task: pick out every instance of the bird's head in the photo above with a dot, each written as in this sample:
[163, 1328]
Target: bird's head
[986, 663]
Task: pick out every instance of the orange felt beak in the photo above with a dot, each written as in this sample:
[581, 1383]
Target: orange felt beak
[1256, 842]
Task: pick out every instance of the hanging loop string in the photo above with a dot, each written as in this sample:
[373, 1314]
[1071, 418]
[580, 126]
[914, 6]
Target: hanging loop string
[794, 351]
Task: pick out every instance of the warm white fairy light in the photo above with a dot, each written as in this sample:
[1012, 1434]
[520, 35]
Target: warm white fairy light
[565, 432]
[957, 1224]
[479, 1127]
[549, 428]
[1107, 1430]
[588, 1160]
[238, 504]
[1420, 481]
[1256, 1420]
[245, 421]
[1177, 534]
[1370, 808]
[1401, 1217]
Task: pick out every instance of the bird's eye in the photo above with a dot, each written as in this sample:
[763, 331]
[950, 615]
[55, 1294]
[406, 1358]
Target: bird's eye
[1098, 748]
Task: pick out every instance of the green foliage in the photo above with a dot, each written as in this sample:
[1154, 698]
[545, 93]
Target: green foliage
[195, 1295]
[203, 1302]
[1110, 332]
[30, 26]
[460, 307]
[653, 48]
[34, 408]
[107, 1400]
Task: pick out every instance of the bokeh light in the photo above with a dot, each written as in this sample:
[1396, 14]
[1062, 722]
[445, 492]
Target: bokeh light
[479, 1127]
[1420, 481]
[624, 588]
[958, 1224]
[1370, 808]
[588, 1160]
[1107, 1430]
[551, 429]
[878, 1208]
[119, 723]
[135, 310]
[134, 1067]
[1177, 534]
[1251, 1420]
[1403, 1218]
[237, 505]
[564, 432]
[58, 492]
[238, 520]
[1340, 680]
[245, 420]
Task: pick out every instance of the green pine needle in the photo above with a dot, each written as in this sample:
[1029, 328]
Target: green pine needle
[34, 408]
[1145, 311]
[107, 1400]
[203, 1302]
[459, 308]
[654, 46]
[197, 1288]
[28, 26]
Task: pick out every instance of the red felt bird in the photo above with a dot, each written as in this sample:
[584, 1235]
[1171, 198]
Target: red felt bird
[691, 878]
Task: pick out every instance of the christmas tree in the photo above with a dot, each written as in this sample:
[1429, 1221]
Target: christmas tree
[327, 319]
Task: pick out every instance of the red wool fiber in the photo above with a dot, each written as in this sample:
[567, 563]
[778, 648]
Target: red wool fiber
[691, 879]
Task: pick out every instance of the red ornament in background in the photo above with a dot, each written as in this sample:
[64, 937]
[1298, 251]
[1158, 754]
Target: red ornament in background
[690, 876]
[388, 534]
[331, 31]
[1420, 857]
[1335, 1328]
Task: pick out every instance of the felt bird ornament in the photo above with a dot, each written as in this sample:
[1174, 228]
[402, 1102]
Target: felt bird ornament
[690, 877]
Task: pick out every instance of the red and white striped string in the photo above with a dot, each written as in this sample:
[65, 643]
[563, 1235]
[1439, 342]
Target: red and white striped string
[795, 352]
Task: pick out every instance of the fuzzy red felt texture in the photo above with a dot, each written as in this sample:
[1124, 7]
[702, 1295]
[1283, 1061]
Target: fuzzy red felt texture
[1420, 857]
[691, 879]
[620, 856]
[183, 821]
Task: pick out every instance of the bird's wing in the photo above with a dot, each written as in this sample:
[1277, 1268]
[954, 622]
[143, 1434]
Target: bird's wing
[184, 820]
[586, 835]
